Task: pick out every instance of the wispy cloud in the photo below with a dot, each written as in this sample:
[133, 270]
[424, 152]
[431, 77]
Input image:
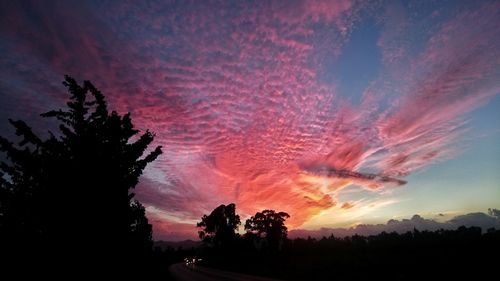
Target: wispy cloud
[231, 90]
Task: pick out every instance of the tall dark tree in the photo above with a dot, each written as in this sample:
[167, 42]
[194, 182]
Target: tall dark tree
[73, 190]
[269, 225]
[219, 227]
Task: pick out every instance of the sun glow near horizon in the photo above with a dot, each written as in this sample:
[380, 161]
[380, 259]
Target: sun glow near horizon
[336, 112]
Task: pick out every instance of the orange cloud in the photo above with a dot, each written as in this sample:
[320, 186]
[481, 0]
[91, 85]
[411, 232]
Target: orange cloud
[235, 94]
[347, 205]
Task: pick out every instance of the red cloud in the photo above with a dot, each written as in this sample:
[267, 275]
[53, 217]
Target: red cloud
[347, 205]
[233, 94]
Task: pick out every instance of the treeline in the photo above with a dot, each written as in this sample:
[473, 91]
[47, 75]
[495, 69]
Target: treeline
[265, 250]
[411, 255]
[389, 256]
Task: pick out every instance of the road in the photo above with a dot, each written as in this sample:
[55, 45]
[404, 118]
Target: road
[181, 272]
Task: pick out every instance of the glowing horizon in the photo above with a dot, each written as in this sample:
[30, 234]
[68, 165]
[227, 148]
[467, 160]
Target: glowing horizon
[335, 112]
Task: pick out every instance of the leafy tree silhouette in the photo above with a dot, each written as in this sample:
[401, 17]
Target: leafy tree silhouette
[219, 227]
[270, 225]
[72, 193]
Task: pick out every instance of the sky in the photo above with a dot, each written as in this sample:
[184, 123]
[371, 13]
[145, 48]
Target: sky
[340, 113]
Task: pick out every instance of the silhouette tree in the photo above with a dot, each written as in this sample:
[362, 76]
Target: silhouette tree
[75, 187]
[219, 227]
[270, 225]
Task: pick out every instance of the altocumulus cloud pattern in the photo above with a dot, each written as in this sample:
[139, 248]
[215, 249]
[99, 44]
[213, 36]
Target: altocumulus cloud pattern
[242, 97]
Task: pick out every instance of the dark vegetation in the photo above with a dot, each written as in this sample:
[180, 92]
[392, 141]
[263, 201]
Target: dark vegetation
[265, 250]
[70, 197]
[67, 205]
[219, 227]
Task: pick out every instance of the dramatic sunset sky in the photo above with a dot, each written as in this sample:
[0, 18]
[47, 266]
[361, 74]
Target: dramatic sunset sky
[337, 112]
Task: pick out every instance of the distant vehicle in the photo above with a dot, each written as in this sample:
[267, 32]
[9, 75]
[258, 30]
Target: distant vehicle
[192, 261]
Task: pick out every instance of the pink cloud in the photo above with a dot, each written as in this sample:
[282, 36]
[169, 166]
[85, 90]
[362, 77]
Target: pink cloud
[450, 78]
[233, 95]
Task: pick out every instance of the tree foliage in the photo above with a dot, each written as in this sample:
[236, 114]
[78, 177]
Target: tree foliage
[465, 251]
[219, 227]
[269, 225]
[75, 187]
